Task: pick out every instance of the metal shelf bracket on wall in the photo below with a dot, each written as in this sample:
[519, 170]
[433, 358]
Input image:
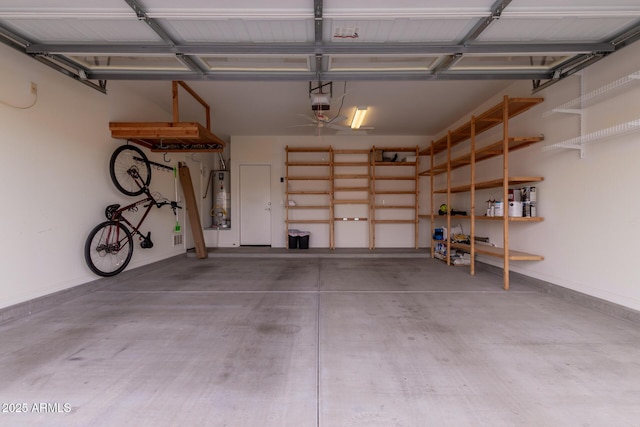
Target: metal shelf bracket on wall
[578, 105]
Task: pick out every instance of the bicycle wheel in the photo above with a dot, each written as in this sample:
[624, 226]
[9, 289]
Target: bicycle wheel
[124, 160]
[108, 248]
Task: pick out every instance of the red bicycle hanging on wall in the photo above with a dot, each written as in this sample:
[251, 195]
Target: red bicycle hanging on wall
[109, 246]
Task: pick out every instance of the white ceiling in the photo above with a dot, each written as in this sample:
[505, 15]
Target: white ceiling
[417, 64]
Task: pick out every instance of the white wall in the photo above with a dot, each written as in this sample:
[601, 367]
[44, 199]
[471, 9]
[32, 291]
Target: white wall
[55, 179]
[590, 233]
[56, 185]
[271, 150]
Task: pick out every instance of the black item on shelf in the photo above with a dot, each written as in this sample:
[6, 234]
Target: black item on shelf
[455, 212]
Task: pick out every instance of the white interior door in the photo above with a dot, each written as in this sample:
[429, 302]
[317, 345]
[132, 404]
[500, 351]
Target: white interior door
[255, 205]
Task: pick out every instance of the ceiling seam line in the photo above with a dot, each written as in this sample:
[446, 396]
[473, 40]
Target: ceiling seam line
[313, 49]
[183, 58]
[496, 11]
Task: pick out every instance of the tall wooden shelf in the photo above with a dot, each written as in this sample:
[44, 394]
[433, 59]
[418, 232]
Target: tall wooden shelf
[333, 187]
[404, 195]
[309, 185]
[500, 114]
[351, 188]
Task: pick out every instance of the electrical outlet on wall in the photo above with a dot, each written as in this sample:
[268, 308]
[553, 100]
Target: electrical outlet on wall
[34, 88]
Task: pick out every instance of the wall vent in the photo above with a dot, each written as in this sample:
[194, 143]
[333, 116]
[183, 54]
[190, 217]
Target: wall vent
[178, 239]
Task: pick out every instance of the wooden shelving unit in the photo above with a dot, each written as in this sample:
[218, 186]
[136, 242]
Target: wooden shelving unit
[403, 196]
[351, 187]
[500, 114]
[330, 186]
[309, 184]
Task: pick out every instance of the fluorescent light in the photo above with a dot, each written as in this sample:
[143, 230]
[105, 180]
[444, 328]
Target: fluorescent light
[358, 117]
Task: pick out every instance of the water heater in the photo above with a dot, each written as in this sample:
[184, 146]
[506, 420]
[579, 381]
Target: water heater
[221, 211]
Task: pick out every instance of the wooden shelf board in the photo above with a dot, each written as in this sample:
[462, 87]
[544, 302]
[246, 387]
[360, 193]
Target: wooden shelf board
[394, 207]
[168, 136]
[359, 164]
[394, 178]
[394, 163]
[497, 218]
[308, 178]
[485, 121]
[350, 189]
[499, 252]
[514, 180]
[308, 164]
[397, 149]
[309, 207]
[395, 192]
[485, 153]
[352, 202]
[308, 221]
[358, 219]
[511, 218]
[351, 176]
[309, 192]
[351, 151]
[308, 149]
[394, 221]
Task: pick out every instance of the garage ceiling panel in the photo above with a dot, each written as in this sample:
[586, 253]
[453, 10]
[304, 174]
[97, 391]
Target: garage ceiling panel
[381, 63]
[144, 62]
[559, 29]
[256, 63]
[513, 62]
[73, 30]
[400, 30]
[239, 30]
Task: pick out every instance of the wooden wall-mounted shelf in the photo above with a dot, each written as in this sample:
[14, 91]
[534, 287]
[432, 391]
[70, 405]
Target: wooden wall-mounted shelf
[173, 136]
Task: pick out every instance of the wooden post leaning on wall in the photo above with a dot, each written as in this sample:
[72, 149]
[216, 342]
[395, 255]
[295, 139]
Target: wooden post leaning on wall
[192, 210]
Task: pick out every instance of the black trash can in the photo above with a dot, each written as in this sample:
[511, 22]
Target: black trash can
[294, 239]
[304, 240]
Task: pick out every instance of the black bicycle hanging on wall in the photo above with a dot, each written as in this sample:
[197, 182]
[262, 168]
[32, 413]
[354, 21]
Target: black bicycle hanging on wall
[109, 246]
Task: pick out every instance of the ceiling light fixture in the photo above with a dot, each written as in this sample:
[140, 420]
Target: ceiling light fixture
[358, 117]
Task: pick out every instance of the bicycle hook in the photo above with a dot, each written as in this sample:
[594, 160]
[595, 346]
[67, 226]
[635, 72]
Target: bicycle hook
[164, 156]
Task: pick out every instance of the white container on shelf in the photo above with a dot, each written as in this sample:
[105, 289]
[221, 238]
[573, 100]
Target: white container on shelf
[515, 209]
[499, 209]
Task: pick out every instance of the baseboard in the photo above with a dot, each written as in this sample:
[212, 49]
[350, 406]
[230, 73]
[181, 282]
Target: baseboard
[579, 298]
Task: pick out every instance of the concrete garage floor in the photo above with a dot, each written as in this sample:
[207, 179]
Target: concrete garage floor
[250, 340]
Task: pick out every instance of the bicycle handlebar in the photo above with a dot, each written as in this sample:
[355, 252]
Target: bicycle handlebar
[174, 205]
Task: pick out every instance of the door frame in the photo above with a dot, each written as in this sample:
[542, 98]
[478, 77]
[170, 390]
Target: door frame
[240, 190]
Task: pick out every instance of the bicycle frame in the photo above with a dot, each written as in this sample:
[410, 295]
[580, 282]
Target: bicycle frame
[135, 229]
[117, 215]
